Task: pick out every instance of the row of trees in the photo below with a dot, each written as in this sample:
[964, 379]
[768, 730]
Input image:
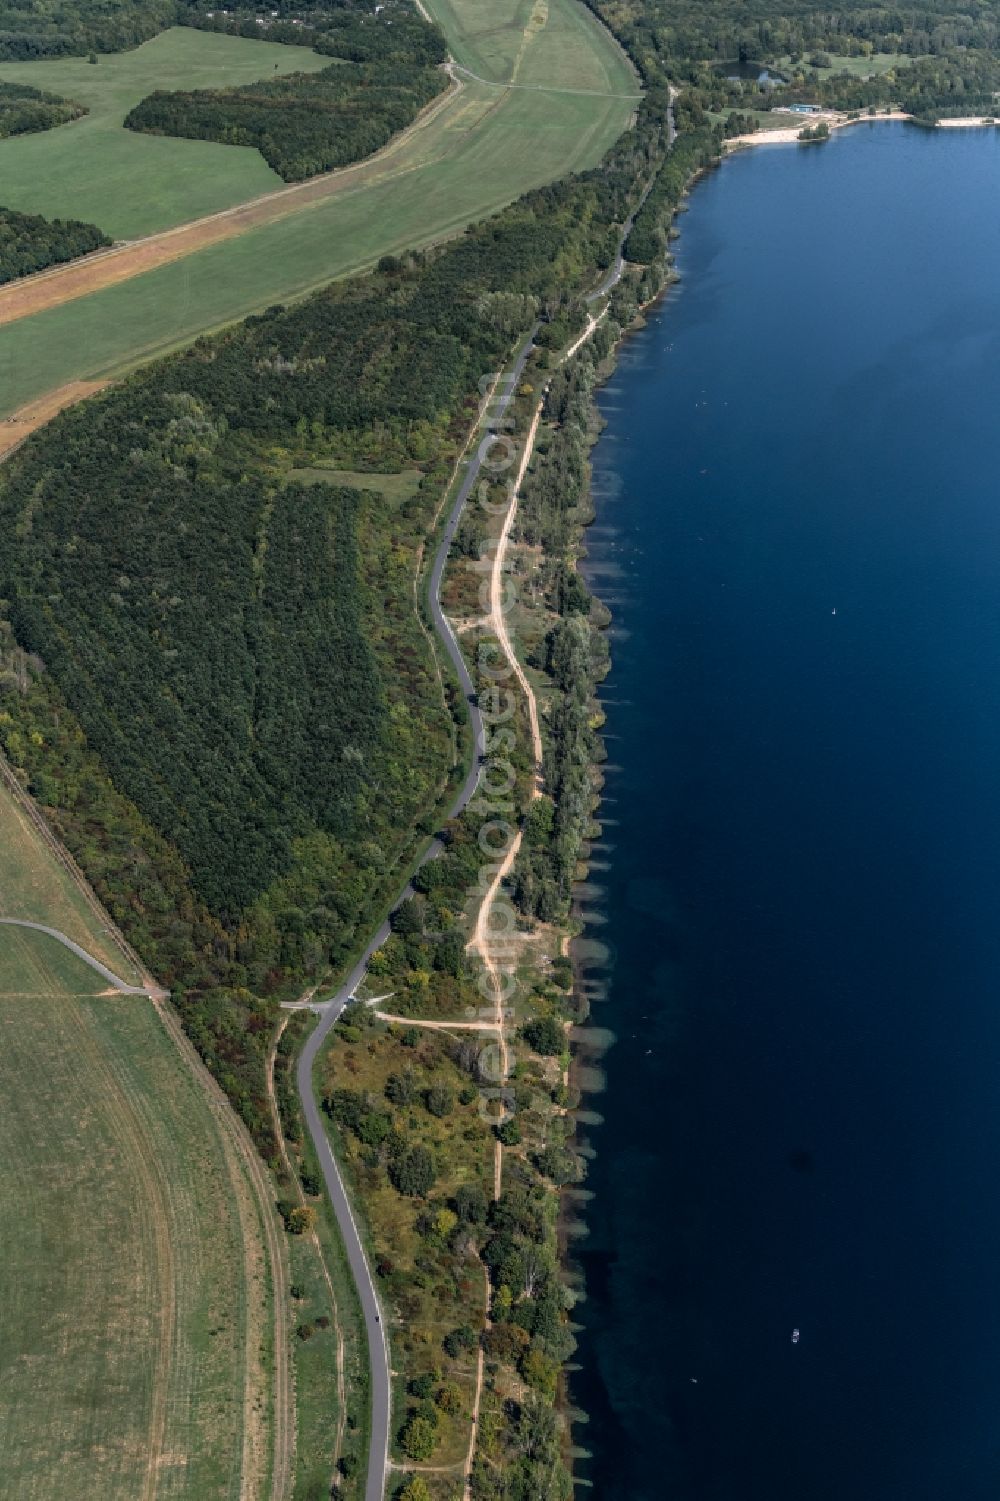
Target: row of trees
[28, 242]
[952, 83]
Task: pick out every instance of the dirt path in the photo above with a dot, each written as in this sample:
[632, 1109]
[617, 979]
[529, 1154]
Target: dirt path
[133, 1134]
[477, 1399]
[49, 289]
[445, 1026]
[538, 88]
[482, 938]
[498, 620]
[255, 1201]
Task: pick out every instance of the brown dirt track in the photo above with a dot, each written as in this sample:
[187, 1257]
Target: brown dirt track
[24, 422]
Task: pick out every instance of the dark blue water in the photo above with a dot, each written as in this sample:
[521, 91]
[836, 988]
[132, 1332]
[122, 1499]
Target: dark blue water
[799, 527]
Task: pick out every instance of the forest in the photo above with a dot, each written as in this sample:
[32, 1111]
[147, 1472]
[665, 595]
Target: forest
[72, 28]
[346, 28]
[29, 243]
[954, 51]
[240, 732]
[24, 109]
[302, 123]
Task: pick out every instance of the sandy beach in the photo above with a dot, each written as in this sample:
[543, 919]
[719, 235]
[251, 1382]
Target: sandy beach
[784, 134]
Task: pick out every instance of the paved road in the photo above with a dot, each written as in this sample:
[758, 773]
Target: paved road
[381, 1399]
[614, 276]
[81, 953]
[381, 1396]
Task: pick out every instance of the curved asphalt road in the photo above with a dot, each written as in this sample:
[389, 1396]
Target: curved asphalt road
[378, 1349]
[81, 953]
[614, 276]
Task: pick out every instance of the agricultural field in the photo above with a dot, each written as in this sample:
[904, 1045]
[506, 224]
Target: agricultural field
[136, 1302]
[482, 148]
[132, 184]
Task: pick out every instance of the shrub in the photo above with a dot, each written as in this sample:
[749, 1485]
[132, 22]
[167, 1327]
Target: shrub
[449, 1398]
[301, 1219]
[470, 1204]
[401, 1089]
[459, 1340]
[415, 1490]
[412, 1173]
[440, 1100]
[545, 1036]
[419, 1438]
[505, 1342]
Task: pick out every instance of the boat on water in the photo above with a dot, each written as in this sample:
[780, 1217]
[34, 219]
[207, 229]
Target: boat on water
[795, 1336]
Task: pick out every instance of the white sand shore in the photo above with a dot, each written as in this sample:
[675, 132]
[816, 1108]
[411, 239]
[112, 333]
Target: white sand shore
[782, 135]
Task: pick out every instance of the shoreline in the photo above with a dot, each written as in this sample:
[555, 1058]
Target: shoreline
[836, 120]
[600, 1241]
[590, 968]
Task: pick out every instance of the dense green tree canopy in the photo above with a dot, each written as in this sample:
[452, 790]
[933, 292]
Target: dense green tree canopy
[29, 243]
[24, 109]
[301, 123]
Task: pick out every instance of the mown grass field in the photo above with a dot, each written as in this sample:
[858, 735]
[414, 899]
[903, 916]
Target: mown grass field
[496, 39]
[483, 149]
[132, 184]
[395, 487]
[135, 1289]
[858, 67]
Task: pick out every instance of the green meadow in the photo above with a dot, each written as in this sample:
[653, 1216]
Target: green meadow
[549, 44]
[132, 184]
[858, 67]
[485, 148]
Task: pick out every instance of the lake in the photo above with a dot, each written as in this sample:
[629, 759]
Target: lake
[798, 883]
